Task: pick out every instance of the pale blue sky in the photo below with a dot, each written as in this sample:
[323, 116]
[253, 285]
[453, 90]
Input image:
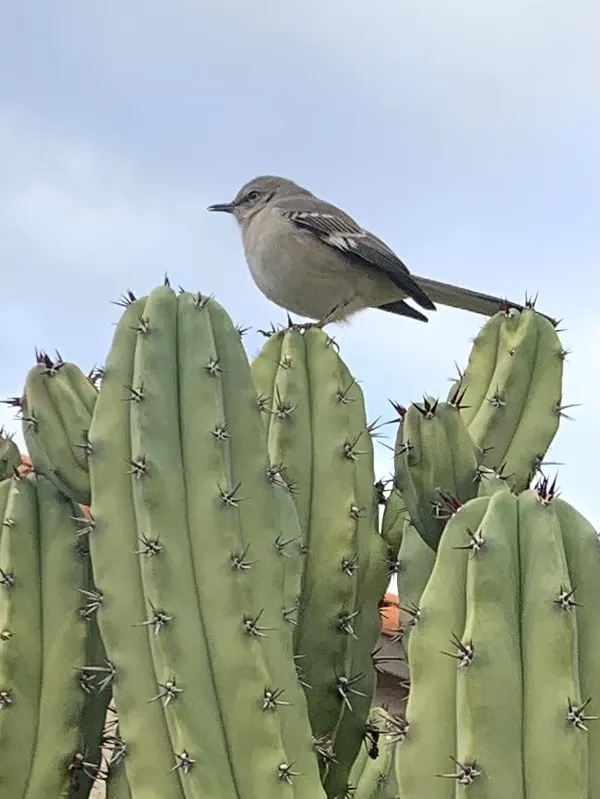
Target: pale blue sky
[463, 133]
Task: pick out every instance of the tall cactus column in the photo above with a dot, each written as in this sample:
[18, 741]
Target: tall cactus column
[319, 439]
[185, 517]
[53, 686]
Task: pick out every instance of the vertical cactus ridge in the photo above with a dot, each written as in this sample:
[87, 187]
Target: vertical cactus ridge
[114, 545]
[10, 457]
[197, 507]
[430, 737]
[489, 713]
[56, 410]
[582, 551]
[317, 431]
[436, 465]
[555, 748]
[52, 706]
[513, 392]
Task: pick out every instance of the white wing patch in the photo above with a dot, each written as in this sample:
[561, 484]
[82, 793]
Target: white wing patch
[334, 230]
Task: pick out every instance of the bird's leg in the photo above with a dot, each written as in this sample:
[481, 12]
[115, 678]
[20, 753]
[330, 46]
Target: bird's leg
[330, 317]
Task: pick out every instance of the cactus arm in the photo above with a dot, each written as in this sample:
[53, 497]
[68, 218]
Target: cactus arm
[44, 647]
[56, 420]
[489, 687]
[65, 573]
[392, 529]
[20, 641]
[479, 374]
[513, 387]
[554, 751]
[434, 459]
[10, 457]
[415, 563]
[431, 709]
[581, 543]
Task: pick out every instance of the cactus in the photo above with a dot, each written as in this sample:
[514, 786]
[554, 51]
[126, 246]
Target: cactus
[415, 563]
[504, 657]
[56, 409]
[54, 680]
[184, 511]
[319, 441]
[393, 523]
[436, 464]
[512, 390]
[10, 457]
[373, 774]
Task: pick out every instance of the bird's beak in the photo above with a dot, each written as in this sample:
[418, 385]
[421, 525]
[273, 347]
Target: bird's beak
[226, 208]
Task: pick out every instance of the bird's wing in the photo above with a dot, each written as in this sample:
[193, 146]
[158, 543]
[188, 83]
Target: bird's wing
[338, 230]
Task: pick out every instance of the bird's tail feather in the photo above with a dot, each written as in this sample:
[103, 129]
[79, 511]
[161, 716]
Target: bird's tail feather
[466, 299]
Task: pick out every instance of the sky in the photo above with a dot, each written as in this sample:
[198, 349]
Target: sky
[464, 134]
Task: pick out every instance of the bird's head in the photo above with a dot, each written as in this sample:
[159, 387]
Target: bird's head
[256, 195]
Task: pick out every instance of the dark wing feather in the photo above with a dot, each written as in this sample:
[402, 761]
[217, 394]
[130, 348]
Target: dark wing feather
[340, 231]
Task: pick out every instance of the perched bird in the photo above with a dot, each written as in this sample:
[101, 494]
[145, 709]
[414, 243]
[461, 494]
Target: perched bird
[309, 257]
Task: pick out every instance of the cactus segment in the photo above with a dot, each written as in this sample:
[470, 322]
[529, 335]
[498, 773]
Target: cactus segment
[10, 457]
[393, 523]
[415, 563]
[373, 775]
[436, 465]
[510, 708]
[431, 709]
[489, 715]
[555, 748]
[52, 706]
[317, 432]
[512, 393]
[56, 411]
[186, 517]
[582, 544]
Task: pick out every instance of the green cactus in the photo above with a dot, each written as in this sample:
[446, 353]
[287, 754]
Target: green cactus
[512, 390]
[504, 661]
[319, 440]
[186, 519]
[54, 679]
[56, 409]
[373, 774]
[10, 457]
[436, 464]
[393, 524]
[415, 563]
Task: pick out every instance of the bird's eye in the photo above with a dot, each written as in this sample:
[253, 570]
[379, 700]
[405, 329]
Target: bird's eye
[253, 195]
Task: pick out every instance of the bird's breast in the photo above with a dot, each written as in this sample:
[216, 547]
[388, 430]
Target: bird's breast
[293, 268]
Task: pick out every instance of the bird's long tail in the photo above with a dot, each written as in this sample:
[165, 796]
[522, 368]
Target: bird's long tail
[466, 299]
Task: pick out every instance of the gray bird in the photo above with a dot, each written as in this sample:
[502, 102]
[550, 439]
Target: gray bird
[309, 257]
